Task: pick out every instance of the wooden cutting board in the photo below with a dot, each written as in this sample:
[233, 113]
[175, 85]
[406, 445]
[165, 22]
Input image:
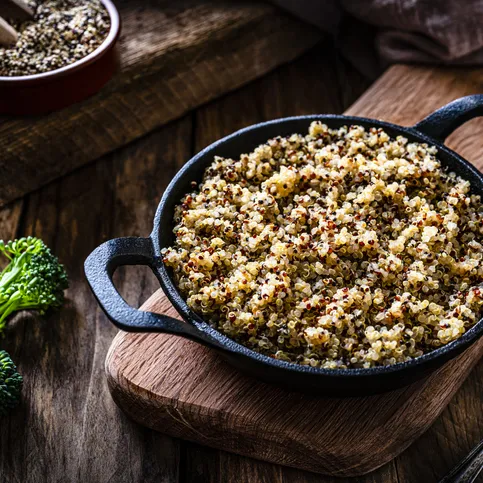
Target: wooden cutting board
[173, 56]
[185, 390]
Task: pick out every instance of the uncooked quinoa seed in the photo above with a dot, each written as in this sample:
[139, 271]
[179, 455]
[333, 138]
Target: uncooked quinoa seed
[342, 248]
[62, 32]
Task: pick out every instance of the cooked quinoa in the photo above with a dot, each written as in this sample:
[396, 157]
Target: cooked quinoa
[342, 248]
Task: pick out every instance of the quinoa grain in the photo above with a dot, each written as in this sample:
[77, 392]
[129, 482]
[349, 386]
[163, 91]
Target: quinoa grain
[342, 248]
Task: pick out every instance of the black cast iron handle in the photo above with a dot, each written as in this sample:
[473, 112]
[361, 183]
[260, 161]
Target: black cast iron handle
[441, 123]
[99, 269]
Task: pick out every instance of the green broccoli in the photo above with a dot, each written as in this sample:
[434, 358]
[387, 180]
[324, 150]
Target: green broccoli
[10, 384]
[33, 280]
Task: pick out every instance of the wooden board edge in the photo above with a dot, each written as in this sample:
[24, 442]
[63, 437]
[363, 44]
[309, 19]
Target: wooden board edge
[150, 410]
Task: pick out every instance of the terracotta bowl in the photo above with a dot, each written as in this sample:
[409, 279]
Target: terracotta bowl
[50, 91]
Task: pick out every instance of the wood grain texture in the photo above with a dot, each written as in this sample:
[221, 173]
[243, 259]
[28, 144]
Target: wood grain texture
[174, 56]
[201, 399]
[68, 428]
[10, 220]
[207, 465]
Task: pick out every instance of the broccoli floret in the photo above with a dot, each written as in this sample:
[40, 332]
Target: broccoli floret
[33, 280]
[10, 384]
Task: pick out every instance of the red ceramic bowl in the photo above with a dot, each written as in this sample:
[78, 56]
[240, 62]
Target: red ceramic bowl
[50, 91]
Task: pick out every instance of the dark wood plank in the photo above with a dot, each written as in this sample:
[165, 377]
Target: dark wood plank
[307, 86]
[68, 428]
[206, 465]
[10, 219]
[173, 56]
[450, 439]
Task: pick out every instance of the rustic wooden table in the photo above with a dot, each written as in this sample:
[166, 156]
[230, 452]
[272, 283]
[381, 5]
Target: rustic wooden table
[67, 428]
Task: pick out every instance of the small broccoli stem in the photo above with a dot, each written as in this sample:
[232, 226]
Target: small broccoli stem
[11, 305]
[34, 304]
[13, 270]
[6, 303]
[4, 250]
[9, 277]
[41, 309]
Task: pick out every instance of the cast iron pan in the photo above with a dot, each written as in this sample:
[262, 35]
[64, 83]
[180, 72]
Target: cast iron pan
[102, 262]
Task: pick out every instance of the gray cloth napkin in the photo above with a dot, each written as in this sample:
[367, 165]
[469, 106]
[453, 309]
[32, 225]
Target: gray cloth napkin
[375, 33]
